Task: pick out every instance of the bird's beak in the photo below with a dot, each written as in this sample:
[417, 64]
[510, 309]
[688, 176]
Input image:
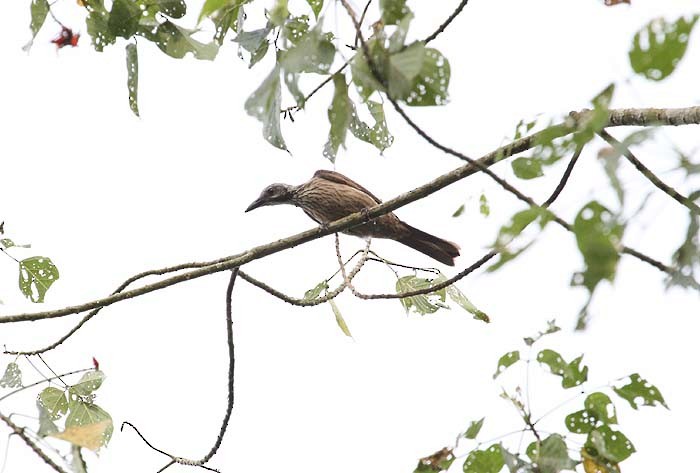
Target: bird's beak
[259, 202]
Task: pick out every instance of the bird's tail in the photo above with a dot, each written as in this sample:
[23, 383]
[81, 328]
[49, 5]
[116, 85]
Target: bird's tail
[441, 250]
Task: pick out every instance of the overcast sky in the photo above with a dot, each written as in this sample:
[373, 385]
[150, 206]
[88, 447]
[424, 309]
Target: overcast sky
[107, 195]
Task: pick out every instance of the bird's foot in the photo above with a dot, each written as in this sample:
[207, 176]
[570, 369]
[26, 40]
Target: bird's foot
[365, 214]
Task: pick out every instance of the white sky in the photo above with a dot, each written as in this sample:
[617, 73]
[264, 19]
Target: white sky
[106, 195]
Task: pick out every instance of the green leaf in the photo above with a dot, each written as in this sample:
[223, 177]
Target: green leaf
[295, 28]
[404, 67]
[339, 116]
[218, 7]
[610, 444]
[598, 235]
[132, 77]
[124, 18]
[279, 13]
[54, 402]
[362, 76]
[255, 42]
[437, 462]
[515, 464]
[12, 378]
[571, 374]
[484, 208]
[687, 256]
[659, 46]
[431, 83]
[265, 104]
[422, 303]
[316, 291]
[551, 328]
[173, 8]
[459, 211]
[602, 407]
[484, 461]
[292, 82]
[581, 422]
[36, 275]
[458, 297]
[316, 6]
[378, 135]
[474, 428]
[83, 413]
[46, 424]
[519, 221]
[177, 42]
[505, 256]
[398, 37]
[39, 9]
[89, 382]
[551, 455]
[393, 10]
[639, 392]
[527, 168]
[314, 52]
[506, 361]
[228, 17]
[610, 157]
[97, 23]
[339, 318]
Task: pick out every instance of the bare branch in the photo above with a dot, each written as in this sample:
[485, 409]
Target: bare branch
[447, 22]
[19, 431]
[627, 153]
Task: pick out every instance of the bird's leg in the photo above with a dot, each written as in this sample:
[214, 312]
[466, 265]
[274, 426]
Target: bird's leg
[365, 214]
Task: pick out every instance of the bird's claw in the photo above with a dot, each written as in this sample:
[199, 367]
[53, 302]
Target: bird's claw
[365, 214]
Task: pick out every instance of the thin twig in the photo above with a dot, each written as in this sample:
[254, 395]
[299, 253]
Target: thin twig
[45, 380]
[229, 406]
[627, 153]
[19, 431]
[447, 22]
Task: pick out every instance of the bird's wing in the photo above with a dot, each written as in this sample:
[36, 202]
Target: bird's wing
[340, 179]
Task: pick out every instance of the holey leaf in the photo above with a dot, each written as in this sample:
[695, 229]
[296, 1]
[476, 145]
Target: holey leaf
[506, 361]
[339, 115]
[377, 135]
[12, 378]
[264, 104]
[639, 392]
[598, 235]
[90, 436]
[39, 9]
[659, 46]
[177, 42]
[431, 83]
[314, 52]
[571, 373]
[54, 402]
[36, 275]
[551, 455]
[83, 414]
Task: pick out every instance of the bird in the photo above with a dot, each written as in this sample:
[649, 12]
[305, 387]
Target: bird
[329, 196]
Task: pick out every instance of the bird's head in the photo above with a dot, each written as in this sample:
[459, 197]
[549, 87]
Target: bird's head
[274, 194]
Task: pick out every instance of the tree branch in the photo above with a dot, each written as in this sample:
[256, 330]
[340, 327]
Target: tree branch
[19, 431]
[627, 153]
[447, 22]
[626, 117]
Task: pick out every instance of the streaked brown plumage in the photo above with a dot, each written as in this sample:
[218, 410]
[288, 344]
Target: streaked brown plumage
[329, 196]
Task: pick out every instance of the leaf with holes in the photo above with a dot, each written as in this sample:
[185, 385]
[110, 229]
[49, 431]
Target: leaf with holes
[377, 135]
[458, 297]
[97, 23]
[598, 235]
[54, 402]
[46, 424]
[484, 208]
[659, 46]
[316, 6]
[610, 444]
[527, 168]
[551, 455]
[393, 10]
[38, 9]
[403, 68]
[36, 275]
[506, 361]
[474, 428]
[255, 42]
[12, 378]
[90, 414]
[89, 382]
[484, 461]
[431, 83]
[422, 303]
[602, 407]
[639, 392]
[173, 8]
[264, 104]
[177, 42]
[339, 115]
[132, 77]
[279, 12]
[124, 18]
[581, 422]
[90, 436]
[314, 52]
[571, 373]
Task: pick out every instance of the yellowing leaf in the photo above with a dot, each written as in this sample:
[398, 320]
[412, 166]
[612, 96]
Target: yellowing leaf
[91, 436]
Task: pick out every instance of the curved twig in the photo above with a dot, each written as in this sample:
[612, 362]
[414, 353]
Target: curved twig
[19, 431]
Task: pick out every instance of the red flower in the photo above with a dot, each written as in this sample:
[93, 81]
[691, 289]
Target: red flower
[65, 38]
